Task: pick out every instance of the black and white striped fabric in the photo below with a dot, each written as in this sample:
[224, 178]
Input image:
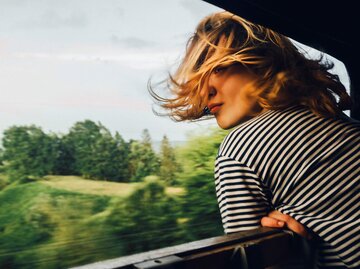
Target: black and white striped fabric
[302, 165]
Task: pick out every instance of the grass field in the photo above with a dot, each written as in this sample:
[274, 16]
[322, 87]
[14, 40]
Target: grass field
[78, 184]
[97, 187]
[3, 181]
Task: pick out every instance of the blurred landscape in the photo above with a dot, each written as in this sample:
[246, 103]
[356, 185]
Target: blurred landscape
[89, 195]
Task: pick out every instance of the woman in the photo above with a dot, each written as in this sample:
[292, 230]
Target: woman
[293, 159]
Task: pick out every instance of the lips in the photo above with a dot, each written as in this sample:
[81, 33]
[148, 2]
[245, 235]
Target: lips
[214, 108]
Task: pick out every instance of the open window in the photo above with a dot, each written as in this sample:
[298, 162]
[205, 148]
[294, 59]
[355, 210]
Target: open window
[87, 171]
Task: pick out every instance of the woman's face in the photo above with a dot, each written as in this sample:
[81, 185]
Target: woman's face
[229, 98]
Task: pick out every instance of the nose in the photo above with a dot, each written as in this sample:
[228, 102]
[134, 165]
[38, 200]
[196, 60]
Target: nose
[211, 87]
[212, 92]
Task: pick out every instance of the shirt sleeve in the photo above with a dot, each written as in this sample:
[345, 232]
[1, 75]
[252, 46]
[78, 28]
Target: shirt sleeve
[241, 197]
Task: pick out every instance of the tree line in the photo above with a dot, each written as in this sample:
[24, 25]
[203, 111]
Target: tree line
[88, 150]
[104, 227]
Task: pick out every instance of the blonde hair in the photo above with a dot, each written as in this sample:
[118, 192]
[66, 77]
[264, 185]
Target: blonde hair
[285, 76]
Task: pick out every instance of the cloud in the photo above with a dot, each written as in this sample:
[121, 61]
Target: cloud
[52, 19]
[112, 102]
[135, 59]
[131, 42]
[14, 3]
[119, 12]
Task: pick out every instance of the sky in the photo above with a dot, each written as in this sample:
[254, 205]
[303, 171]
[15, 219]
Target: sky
[66, 61]
[71, 60]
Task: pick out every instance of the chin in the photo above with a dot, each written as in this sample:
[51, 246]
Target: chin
[225, 125]
[228, 124]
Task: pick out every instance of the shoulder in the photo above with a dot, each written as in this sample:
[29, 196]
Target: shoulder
[257, 126]
[294, 123]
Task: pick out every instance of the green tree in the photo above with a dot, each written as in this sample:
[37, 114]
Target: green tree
[65, 162]
[81, 141]
[147, 219]
[168, 164]
[110, 158]
[200, 208]
[1, 159]
[143, 160]
[121, 157]
[28, 151]
[96, 153]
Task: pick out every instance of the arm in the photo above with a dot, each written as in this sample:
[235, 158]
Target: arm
[243, 203]
[241, 197]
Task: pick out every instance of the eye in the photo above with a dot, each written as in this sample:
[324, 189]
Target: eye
[219, 69]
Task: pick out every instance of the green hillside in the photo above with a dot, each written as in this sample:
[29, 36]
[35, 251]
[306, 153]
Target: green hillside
[44, 225]
[59, 222]
[64, 221]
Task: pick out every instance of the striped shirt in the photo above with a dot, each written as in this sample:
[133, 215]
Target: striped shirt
[302, 165]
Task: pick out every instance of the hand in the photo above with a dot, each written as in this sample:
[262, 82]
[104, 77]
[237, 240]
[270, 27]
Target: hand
[276, 219]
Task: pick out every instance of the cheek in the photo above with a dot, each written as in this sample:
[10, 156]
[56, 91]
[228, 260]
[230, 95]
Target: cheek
[237, 90]
[239, 109]
[240, 100]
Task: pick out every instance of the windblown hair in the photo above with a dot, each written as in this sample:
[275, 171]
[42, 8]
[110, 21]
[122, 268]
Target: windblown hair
[285, 76]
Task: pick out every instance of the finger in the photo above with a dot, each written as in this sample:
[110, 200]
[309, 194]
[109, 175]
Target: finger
[291, 223]
[279, 216]
[271, 222]
[297, 228]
